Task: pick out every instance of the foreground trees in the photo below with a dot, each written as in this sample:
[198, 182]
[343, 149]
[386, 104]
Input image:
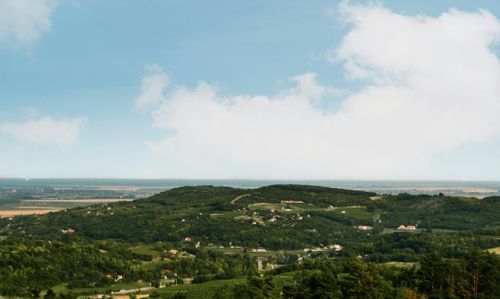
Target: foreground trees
[475, 276]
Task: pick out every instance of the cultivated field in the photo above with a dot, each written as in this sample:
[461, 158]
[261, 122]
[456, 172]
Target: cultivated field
[19, 212]
[44, 206]
[495, 250]
[79, 200]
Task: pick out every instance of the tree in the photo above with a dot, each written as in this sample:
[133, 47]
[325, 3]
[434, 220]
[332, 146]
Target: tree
[50, 294]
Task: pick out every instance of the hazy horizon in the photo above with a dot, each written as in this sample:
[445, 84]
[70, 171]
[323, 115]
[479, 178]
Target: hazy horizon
[454, 188]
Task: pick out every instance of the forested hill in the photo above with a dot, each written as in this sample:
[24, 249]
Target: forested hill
[292, 241]
[274, 217]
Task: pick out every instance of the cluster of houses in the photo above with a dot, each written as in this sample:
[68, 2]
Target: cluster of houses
[259, 220]
[401, 227]
[291, 201]
[186, 239]
[335, 247]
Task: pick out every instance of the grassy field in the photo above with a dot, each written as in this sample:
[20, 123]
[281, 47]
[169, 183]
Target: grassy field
[208, 289]
[265, 206]
[202, 290]
[395, 230]
[354, 212]
[145, 249]
[62, 288]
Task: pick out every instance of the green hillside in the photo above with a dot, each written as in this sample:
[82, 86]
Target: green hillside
[274, 217]
[208, 233]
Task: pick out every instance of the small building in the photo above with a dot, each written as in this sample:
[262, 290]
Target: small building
[335, 247]
[173, 251]
[259, 250]
[187, 239]
[364, 227]
[68, 231]
[291, 201]
[409, 227]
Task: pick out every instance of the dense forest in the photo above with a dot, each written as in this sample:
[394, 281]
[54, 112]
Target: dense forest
[475, 276]
[290, 241]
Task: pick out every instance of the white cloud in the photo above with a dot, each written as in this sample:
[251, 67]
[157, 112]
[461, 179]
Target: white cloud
[45, 130]
[154, 82]
[24, 21]
[432, 84]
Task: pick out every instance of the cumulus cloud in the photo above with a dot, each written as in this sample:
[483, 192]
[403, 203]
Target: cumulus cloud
[45, 130]
[154, 82]
[431, 84]
[24, 21]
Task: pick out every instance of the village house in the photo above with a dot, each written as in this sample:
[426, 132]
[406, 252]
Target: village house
[259, 250]
[291, 201]
[364, 227]
[335, 247]
[409, 227]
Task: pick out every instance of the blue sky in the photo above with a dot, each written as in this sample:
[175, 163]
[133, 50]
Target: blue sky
[88, 65]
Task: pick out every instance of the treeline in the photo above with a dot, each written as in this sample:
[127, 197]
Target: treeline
[477, 275]
[27, 267]
[409, 247]
[438, 211]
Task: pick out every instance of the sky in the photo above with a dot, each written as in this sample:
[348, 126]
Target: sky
[250, 89]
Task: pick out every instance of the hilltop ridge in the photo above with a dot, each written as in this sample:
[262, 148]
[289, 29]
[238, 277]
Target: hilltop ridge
[307, 215]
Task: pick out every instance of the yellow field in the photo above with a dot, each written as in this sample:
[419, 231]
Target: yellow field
[91, 200]
[44, 206]
[12, 213]
[495, 250]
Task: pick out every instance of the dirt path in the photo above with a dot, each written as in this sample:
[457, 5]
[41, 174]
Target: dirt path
[241, 196]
